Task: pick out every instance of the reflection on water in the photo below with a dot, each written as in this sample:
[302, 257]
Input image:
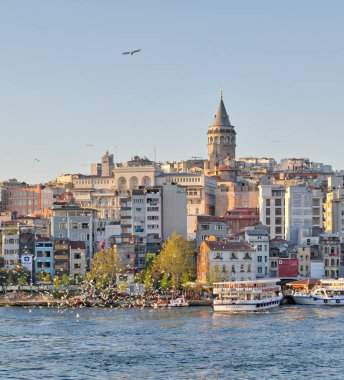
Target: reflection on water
[291, 342]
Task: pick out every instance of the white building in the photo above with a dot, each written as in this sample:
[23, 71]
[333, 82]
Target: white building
[298, 211]
[10, 249]
[200, 190]
[260, 240]
[272, 209]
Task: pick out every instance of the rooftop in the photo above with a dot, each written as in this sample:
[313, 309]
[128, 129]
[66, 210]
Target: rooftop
[229, 246]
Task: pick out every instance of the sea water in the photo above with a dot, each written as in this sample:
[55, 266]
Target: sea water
[294, 342]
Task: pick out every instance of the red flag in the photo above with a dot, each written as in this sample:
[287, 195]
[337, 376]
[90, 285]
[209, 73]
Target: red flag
[103, 245]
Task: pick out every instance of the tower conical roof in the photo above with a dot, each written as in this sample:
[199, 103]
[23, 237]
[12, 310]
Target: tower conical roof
[221, 117]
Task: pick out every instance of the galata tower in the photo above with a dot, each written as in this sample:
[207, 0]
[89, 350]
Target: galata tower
[221, 139]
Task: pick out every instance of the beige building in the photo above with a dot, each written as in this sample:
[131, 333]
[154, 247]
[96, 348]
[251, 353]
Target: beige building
[231, 195]
[334, 211]
[104, 192]
[304, 258]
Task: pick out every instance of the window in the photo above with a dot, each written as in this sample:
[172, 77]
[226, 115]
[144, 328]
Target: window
[205, 227]
[260, 259]
[278, 211]
[77, 256]
[152, 209]
[42, 264]
[153, 217]
[63, 226]
[77, 265]
[218, 255]
[268, 202]
[74, 225]
[260, 270]
[218, 227]
[259, 247]
[242, 268]
[84, 225]
[43, 254]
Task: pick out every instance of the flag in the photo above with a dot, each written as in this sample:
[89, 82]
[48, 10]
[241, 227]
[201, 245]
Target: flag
[103, 245]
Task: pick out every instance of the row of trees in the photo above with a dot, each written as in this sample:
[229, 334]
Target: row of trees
[173, 267]
[16, 276]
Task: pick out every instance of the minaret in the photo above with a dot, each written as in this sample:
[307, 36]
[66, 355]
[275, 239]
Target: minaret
[221, 138]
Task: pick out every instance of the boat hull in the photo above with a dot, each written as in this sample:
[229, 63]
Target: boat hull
[320, 301]
[251, 306]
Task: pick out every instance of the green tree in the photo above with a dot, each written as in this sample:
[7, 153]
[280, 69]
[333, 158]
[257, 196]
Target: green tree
[3, 278]
[57, 282]
[41, 276]
[175, 263]
[22, 280]
[65, 279]
[105, 267]
[47, 277]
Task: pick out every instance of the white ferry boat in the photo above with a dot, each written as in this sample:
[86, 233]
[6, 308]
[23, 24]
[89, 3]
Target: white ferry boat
[247, 296]
[327, 293]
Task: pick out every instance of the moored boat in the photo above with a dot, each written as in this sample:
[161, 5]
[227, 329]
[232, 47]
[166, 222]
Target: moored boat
[247, 296]
[328, 292]
[178, 302]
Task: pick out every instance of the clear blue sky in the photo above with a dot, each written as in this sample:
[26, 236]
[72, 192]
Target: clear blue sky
[64, 82]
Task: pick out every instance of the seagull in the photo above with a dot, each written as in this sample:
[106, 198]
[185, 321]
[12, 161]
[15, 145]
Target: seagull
[131, 52]
[36, 159]
[90, 145]
[275, 141]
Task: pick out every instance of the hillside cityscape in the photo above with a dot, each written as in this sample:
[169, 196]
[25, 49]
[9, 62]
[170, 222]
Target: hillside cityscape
[274, 219]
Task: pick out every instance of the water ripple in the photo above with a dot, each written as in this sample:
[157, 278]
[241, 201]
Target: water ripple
[193, 343]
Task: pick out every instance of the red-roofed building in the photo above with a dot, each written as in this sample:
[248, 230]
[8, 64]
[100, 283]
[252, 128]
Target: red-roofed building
[225, 261]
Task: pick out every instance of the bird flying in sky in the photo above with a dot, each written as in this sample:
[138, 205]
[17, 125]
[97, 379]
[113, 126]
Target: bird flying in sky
[36, 159]
[90, 145]
[131, 52]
